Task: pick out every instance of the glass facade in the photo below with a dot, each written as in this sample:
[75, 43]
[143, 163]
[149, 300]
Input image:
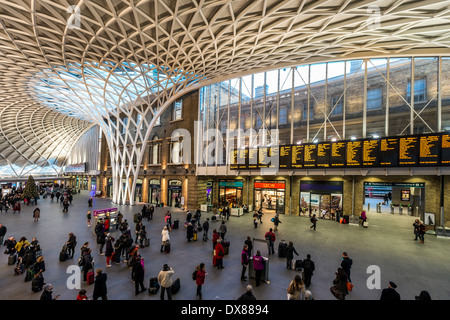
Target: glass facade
[329, 101]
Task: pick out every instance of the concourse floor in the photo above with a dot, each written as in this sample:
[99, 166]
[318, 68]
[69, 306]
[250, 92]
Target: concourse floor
[387, 243]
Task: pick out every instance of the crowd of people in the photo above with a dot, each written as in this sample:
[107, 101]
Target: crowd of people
[127, 245]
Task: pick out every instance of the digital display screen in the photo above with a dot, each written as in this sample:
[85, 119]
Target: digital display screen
[338, 154]
[253, 158]
[408, 151]
[445, 149]
[310, 154]
[285, 157]
[323, 154]
[354, 153]
[371, 153]
[405, 195]
[389, 152]
[429, 150]
[418, 150]
[297, 156]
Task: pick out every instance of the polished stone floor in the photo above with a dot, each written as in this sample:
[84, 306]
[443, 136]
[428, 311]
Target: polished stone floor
[387, 243]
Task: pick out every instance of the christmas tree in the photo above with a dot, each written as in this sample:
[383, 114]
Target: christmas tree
[30, 191]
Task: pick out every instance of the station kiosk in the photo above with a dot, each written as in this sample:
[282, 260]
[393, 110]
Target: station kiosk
[107, 216]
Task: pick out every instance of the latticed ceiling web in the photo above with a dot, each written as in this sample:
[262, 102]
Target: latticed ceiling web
[66, 65]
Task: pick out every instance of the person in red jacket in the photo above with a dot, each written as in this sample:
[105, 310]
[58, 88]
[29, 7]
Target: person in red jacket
[200, 280]
[219, 253]
[215, 236]
[270, 237]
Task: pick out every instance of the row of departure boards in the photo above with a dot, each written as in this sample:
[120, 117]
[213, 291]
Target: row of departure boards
[403, 151]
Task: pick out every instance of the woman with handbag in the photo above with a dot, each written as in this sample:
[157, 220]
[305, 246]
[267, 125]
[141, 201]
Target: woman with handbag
[339, 288]
[165, 237]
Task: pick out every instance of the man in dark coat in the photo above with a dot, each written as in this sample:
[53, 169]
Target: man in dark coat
[346, 264]
[190, 231]
[100, 290]
[390, 293]
[137, 274]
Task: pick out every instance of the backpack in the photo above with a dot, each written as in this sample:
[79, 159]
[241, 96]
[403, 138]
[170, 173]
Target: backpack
[194, 275]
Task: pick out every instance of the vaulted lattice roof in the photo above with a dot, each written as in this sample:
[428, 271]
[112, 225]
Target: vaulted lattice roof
[68, 64]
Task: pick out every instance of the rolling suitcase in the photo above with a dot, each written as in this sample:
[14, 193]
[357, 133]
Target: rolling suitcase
[282, 249]
[19, 269]
[90, 278]
[195, 236]
[298, 264]
[147, 242]
[175, 286]
[153, 286]
[12, 259]
[176, 224]
[37, 283]
[167, 247]
[226, 247]
[63, 255]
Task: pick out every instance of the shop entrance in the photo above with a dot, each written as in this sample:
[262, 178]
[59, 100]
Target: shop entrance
[269, 196]
[154, 191]
[230, 192]
[174, 193]
[322, 198]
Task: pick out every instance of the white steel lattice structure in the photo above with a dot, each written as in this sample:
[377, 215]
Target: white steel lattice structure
[68, 65]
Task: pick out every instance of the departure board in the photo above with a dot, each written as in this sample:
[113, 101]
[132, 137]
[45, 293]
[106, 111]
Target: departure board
[323, 154]
[429, 150]
[274, 154]
[354, 153]
[408, 151]
[371, 153]
[338, 154]
[445, 149]
[285, 157]
[243, 158]
[253, 158]
[424, 150]
[233, 159]
[297, 156]
[389, 152]
[310, 154]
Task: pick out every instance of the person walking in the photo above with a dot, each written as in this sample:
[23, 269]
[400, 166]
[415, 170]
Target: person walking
[71, 244]
[100, 289]
[276, 222]
[164, 237]
[36, 214]
[416, 228]
[296, 289]
[205, 227]
[346, 264]
[200, 279]
[313, 221]
[422, 229]
[308, 270]
[290, 250]
[244, 262]
[223, 230]
[137, 275]
[390, 293]
[270, 237]
[248, 294]
[102, 241]
[47, 293]
[363, 218]
[258, 265]
[165, 281]
[3, 230]
[219, 253]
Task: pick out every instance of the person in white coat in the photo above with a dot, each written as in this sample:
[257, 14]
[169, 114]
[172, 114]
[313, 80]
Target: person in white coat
[165, 237]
